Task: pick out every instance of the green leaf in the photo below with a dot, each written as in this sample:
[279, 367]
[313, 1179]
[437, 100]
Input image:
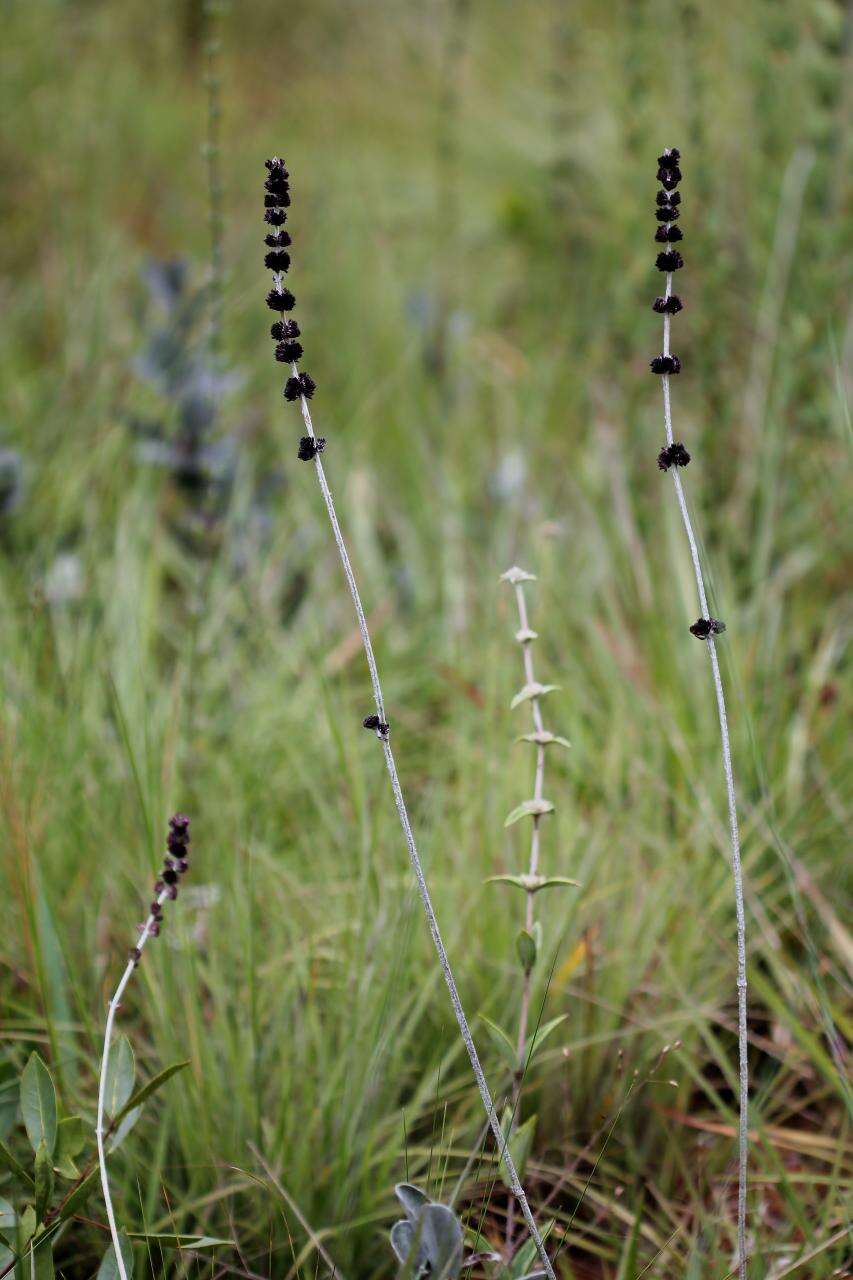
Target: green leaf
[171, 1240]
[151, 1086]
[542, 738]
[411, 1198]
[109, 1270]
[532, 884]
[502, 1041]
[44, 1180]
[78, 1197]
[121, 1072]
[27, 1223]
[43, 1262]
[403, 1242]
[38, 1104]
[532, 690]
[519, 1143]
[528, 1253]
[70, 1139]
[14, 1165]
[442, 1240]
[541, 1035]
[526, 948]
[7, 1259]
[8, 1219]
[529, 809]
[124, 1129]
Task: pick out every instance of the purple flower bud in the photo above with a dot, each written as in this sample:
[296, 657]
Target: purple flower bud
[702, 628]
[302, 385]
[277, 260]
[277, 199]
[135, 955]
[278, 240]
[310, 446]
[287, 352]
[170, 876]
[673, 455]
[668, 306]
[670, 158]
[379, 726]
[669, 260]
[666, 235]
[275, 217]
[280, 300]
[665, 364]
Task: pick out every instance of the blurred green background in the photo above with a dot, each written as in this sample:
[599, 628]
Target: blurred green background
[473, 183]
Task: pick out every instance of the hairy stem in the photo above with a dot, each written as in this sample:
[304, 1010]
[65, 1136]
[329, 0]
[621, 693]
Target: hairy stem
[100, 1132]
[414, 857]
[737, 873]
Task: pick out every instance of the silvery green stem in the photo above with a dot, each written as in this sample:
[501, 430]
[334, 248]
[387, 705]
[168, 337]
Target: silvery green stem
[740, 917]
[102, 1089]
[414, 857]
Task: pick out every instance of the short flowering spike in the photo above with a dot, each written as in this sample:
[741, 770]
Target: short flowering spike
[280, 300]
[310, 446]
[670, 260]
[665, 364]
[673, 455]
[702, 628]
[668, 306]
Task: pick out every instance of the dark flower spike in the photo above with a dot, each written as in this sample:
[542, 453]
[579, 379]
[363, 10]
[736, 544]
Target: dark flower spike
[277, 260]
[665, 364]
[702, 628]
[666, 235]
[287, 352]
[378, 726]
[275, 217]
[673, 455]
[670, 158]
[668, 306]
[310, 446]
[280, 300]
[278, 240]
[276, 163]
[669, 260]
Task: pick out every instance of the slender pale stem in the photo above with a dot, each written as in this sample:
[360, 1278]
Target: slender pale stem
[737, 873]
[414, 857]
[102, 1087]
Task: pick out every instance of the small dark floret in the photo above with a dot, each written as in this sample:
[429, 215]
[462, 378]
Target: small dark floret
[170, 875]
[179, 822]
[669, 260]
[277, 199]
[275, 217]
[302, 385]
[673, 455]
[135, 955]
[282, 329]
[702, 628]
[670, 158]
[154, 930]
[275, 164]
[287, 352]
[277, 260]
[668, 306]
[665, 364]
[278, 240]
[666, 235]
[667, 213]
[310, 446]
[156, 910]
[379, 726]
[171, 892]
[280, 300]
[669, 178]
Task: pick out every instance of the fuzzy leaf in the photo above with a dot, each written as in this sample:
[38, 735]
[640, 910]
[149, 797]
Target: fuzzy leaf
[529, 809]
[411, 1198]
[124, 1129]
[525, 945]
[543, 738]
[38, 1104]
[69, 1143]
[515, 575]
[502, 1041]
[409, 1250]
[541, 1035]
[144, 1092]
[532, 690]
[44, 1180]
[120, 1076]
[442, 1240]
[108, 1270]
[532, 884]
[7, 1219]
[13, 1165]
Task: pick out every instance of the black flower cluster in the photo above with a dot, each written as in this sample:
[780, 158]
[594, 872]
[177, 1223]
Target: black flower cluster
[284, 332]
[378, 726]
[674, 455]
[175, 864]
[704, 627]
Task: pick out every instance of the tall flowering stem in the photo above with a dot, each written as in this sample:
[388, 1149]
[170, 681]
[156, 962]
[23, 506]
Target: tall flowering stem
[673, 458]
[301, 387]
[175, 865]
